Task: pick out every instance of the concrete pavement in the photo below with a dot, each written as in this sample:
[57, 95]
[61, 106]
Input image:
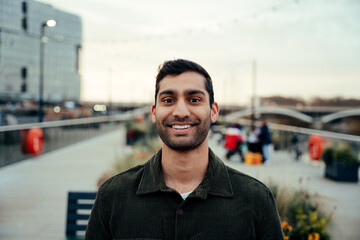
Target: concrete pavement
[34, 192]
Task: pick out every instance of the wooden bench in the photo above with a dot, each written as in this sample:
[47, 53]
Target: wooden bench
[78, 212]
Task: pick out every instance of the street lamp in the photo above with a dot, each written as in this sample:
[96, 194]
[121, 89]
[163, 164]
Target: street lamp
[253, 98]
[110, 89]
[48, 23]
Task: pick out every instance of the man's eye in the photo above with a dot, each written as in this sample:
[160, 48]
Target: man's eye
[168, 100]
[194, 100]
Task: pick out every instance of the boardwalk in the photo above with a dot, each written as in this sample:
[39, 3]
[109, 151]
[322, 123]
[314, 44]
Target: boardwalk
[34, 192]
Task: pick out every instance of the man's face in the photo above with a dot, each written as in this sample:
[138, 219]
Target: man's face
[182, 114]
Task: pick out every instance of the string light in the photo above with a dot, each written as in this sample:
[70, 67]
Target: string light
[187, 32]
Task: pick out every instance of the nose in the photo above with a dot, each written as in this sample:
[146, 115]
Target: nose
[181, 109]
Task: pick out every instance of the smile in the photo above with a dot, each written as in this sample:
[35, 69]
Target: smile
[181, 126]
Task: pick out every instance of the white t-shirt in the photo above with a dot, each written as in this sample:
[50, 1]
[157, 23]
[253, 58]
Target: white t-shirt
[185, 195]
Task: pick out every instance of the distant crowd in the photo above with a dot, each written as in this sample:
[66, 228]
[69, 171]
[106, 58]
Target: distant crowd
[252, 146]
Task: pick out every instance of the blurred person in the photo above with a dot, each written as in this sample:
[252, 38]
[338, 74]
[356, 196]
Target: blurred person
[242, 132]
[265, 141]
[184, 191]
[253, 140]
[295, 146]
[233, 141]
[2, 118]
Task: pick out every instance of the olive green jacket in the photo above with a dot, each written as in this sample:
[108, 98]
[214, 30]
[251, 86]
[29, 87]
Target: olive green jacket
[227, 204]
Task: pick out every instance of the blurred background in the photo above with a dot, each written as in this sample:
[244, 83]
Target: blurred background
[73, 70]
[108, 51]
[302, 49]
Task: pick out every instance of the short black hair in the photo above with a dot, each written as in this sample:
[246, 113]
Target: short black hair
[179, 66]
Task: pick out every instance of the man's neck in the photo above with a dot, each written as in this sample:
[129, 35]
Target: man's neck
[184, 171]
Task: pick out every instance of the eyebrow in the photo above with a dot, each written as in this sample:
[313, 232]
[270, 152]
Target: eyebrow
[193, 92]
[167, 92]
[187, 92]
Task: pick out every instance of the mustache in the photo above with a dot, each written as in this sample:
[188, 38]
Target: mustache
[182, 120]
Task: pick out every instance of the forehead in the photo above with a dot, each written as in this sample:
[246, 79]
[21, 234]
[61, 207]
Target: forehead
[183, 82]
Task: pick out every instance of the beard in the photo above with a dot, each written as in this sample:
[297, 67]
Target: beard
[181, 142]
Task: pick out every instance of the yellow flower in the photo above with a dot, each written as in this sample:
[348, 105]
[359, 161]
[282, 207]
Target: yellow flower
[286, 237]
[314, 236]
[286, 226]
[317, 236]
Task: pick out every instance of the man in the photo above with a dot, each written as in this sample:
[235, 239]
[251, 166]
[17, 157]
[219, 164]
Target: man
[184, 191]
[265, 141]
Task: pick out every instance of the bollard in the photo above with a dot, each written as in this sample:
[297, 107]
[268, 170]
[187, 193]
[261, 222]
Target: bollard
[32, 141]
[315, 147]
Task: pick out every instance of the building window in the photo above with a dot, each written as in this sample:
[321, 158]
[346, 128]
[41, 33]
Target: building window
[24, 7]
[23, 73]
[78, 54]
[23, 87]
[23, 77]
[24, 23]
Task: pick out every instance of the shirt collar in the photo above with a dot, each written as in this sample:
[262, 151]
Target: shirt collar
[216, 181]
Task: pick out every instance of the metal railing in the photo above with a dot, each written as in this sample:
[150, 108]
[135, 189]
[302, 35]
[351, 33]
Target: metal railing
[58, 134]
[282, 136]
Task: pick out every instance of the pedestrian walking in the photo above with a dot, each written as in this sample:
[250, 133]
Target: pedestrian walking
[265, 141]
[253, 143]
[233, 141]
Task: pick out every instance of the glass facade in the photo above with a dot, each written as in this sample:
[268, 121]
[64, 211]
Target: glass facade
[20, 38]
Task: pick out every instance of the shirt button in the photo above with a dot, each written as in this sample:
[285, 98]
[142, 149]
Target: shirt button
[180, 212]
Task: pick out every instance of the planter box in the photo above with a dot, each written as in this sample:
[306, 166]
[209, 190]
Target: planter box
[342, 172]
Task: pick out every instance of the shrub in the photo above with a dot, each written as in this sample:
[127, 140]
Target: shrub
[341, 153]
[300, 215]
[328, 155]
[305, 217]
[143, 146]
[345, 154]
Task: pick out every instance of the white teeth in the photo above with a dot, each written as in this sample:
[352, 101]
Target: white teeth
[180, 126]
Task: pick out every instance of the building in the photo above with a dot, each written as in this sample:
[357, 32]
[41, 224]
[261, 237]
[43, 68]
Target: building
[20, 39]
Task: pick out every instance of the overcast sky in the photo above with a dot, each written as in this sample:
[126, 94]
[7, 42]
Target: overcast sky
[302, 48]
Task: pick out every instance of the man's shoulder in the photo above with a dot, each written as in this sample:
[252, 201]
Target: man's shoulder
[125, 178]
[243, 183]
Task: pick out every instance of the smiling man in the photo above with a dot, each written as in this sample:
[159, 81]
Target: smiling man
[184, 191]
[182, 113]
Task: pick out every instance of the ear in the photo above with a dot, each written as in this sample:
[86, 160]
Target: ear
[214, 112]
[153, 109]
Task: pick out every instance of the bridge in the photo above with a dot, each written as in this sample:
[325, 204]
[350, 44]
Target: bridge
[269, 110]
[340, 114]
[297, 114]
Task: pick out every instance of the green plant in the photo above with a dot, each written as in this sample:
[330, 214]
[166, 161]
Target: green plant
[328, 155]
[142, 151]
[144, 145]
[310, 224]
[345, 154]
[340, 153]
[300, 215]
[306, 218]
[282, 198]
[299, 200]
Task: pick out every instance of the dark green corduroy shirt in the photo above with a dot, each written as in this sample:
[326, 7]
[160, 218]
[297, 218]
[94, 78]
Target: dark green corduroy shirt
[228, 204]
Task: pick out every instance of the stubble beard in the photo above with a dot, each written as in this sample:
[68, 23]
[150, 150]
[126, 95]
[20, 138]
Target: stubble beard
[176, 142]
